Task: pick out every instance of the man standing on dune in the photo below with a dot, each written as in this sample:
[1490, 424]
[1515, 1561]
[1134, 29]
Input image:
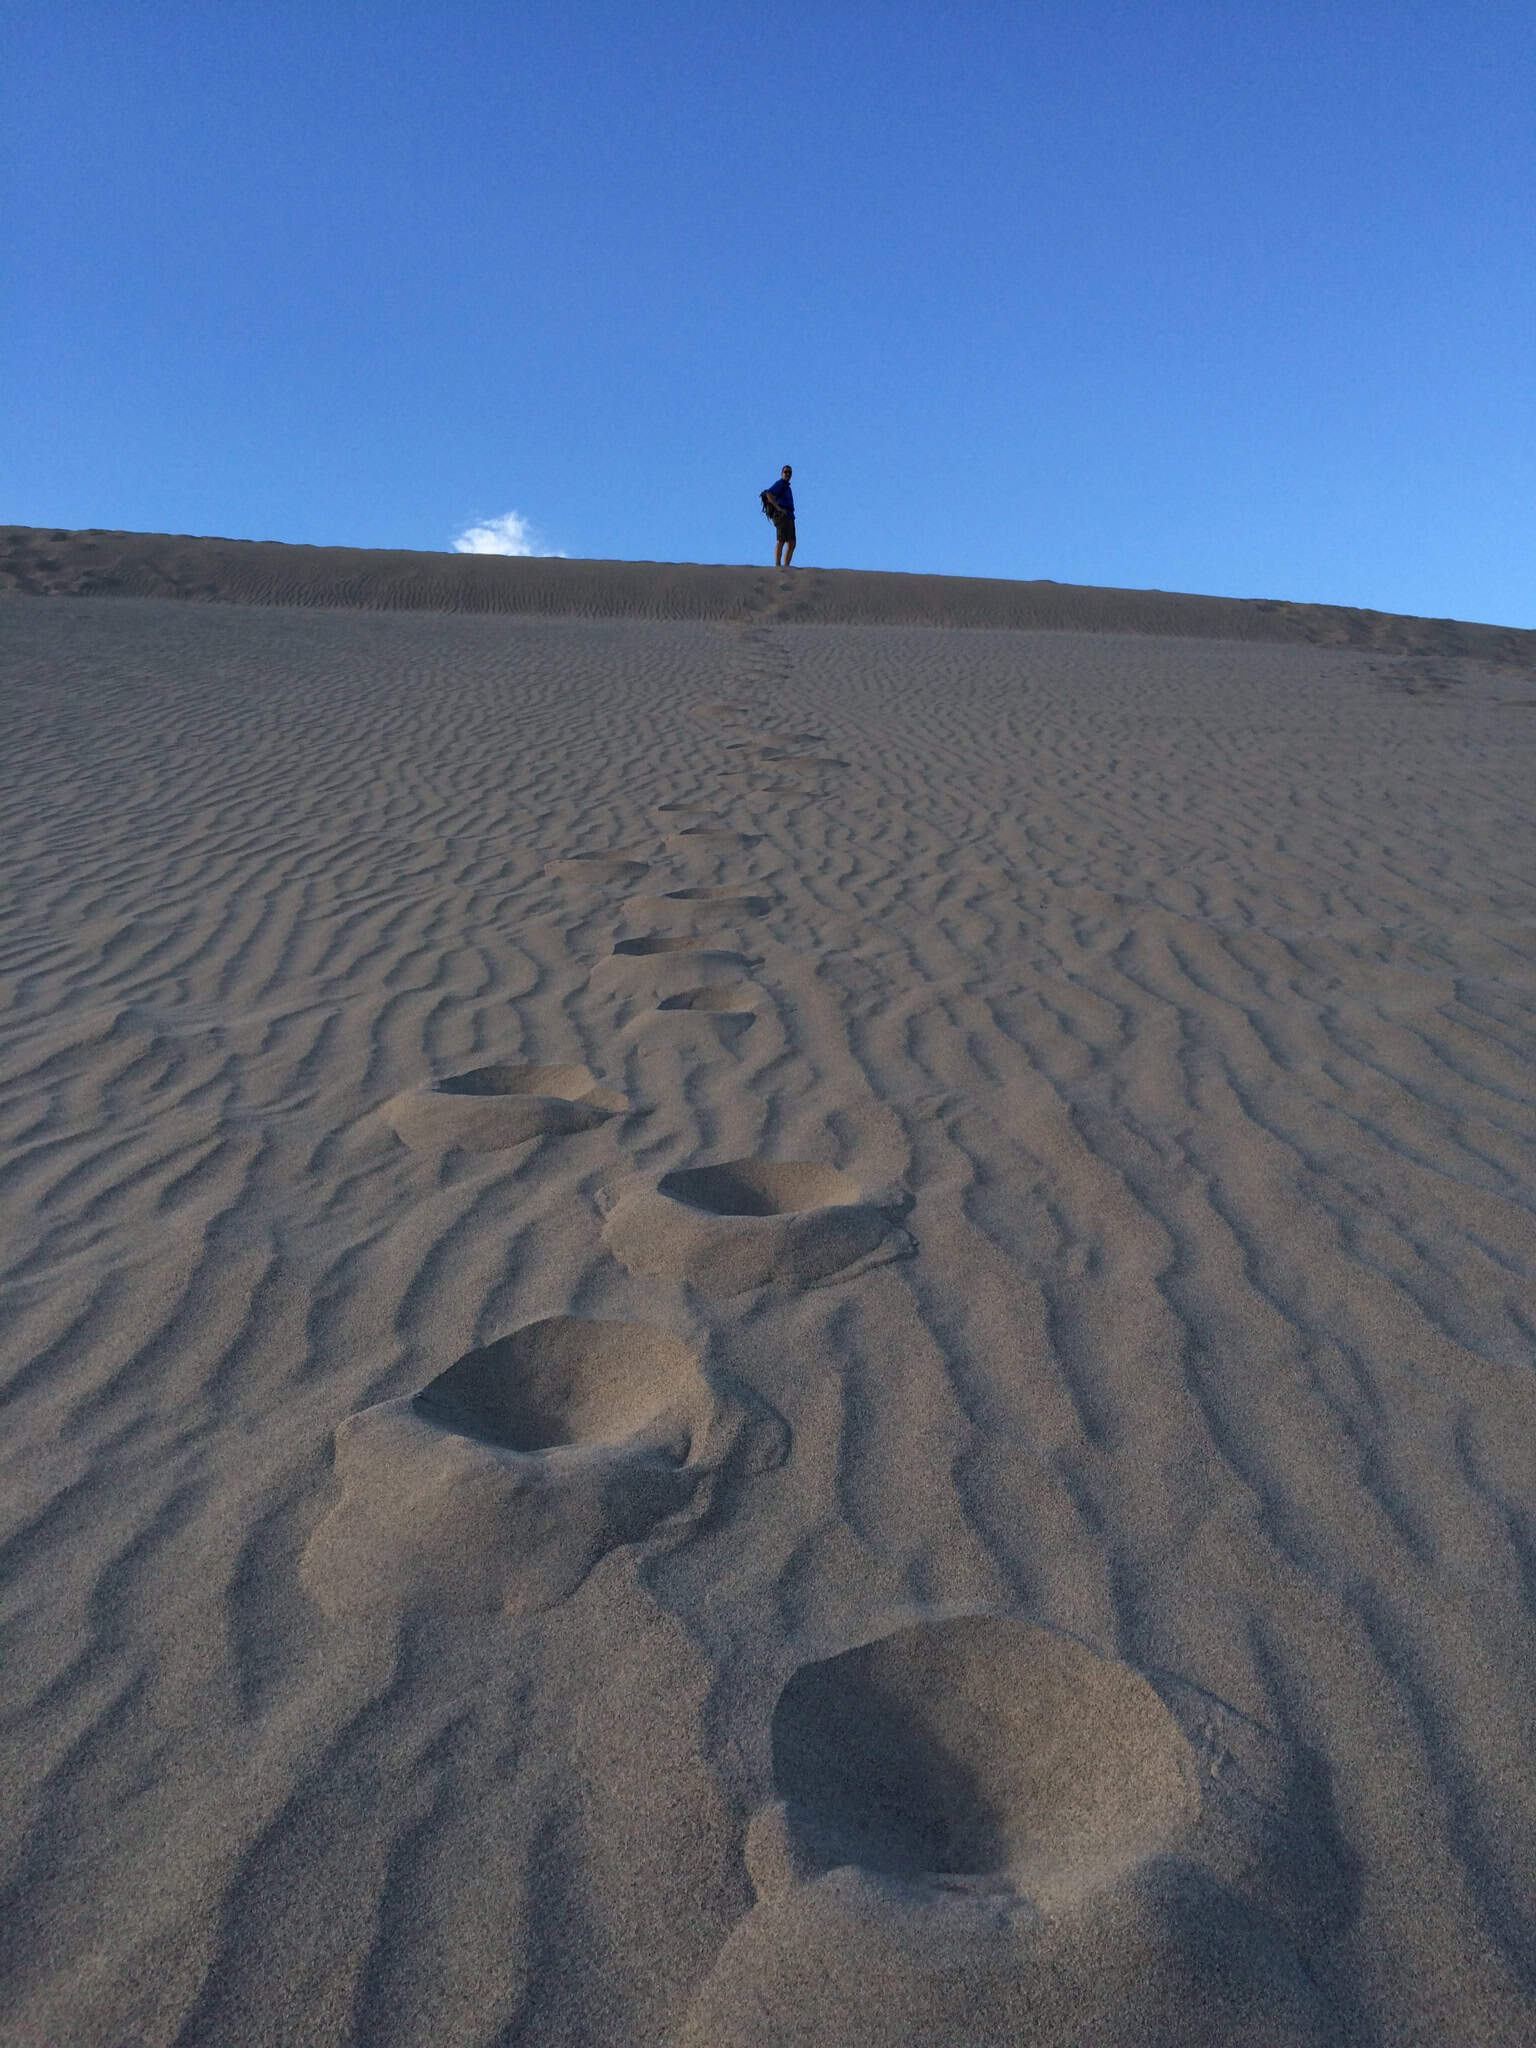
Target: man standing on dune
[779, 504]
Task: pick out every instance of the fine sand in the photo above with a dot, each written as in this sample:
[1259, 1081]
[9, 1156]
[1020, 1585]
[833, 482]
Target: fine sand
[749, 1309]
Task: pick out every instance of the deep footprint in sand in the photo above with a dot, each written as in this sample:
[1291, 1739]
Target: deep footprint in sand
[496, 1106]
[598, 867]
[703, 837]
[729, 1008]
[654, 944]
[988, 1820]
[986, 1747]
[499, 1486]
[723, 896]
[780, 786]
[753, 1223]
[773, 744]
[664, 967]
[715, 999]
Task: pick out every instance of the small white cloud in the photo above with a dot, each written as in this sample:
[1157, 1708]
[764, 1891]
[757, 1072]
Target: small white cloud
[511, 534]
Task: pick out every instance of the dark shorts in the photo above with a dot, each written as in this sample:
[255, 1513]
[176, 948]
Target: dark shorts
[786, 529]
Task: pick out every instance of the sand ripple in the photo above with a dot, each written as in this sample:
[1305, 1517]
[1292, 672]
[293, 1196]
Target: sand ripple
[408, 1602]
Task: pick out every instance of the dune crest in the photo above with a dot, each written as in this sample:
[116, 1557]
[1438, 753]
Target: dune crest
[36, 561]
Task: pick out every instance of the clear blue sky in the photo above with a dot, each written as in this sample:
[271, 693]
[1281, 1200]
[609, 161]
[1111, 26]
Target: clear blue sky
[1236, 298]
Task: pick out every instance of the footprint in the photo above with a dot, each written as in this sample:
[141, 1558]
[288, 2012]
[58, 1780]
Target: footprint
[985, 1748]
[774, 744]
[780, 786]
[640, 966]
[686, 810]
[986, 1819]
[723, 896]
[711, 835]
[493, 1107]
[501, 1484]
[730, 1007]
[601, 867]
[652, 944]
[1163, 1955]
[750, 1223]
[760, 1187]
[717, 998]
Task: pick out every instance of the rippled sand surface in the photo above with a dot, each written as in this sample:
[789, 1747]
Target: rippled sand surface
[736, 1318]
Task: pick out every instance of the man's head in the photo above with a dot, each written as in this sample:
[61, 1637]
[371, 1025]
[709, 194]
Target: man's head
[787, 472]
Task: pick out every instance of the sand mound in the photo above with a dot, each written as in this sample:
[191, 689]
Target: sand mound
[499, 1486]
[1160, 1958]
[495, 1106]
[751, 1223]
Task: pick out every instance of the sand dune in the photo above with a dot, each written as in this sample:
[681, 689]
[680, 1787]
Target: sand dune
[760, 1310]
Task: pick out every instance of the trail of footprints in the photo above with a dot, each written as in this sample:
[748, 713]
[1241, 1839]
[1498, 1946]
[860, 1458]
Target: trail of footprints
[1021, 1820]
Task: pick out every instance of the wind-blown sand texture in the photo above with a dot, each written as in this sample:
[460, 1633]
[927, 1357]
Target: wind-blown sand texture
[909, 1417]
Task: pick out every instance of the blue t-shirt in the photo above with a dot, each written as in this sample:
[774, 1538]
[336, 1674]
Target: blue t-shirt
[783, 496]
